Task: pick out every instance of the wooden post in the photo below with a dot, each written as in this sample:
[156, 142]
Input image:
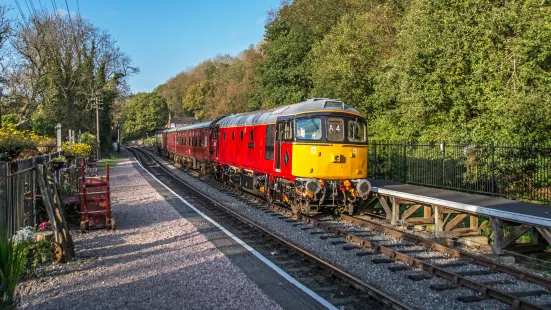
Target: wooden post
[58, 135]
[427, 212]
[438, 222]
[395, 210]
[3, 198]
[497, 226]
[386, 207]
[57, 220]
[473, 219]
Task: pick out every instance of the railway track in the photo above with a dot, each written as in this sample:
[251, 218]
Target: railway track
[328, 281]
[485, 279]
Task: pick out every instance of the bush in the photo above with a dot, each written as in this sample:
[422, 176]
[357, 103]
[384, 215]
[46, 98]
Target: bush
[13, 142]
[76, 149]
[12, 262]
[150, 141]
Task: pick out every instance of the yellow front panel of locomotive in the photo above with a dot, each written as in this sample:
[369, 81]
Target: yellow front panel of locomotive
[329, 161]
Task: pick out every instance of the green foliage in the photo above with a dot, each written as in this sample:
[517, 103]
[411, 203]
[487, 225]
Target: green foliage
[10, 119]
[37, 252]
[474, 71]
[12, 262]
[144, 113]
[289, 38]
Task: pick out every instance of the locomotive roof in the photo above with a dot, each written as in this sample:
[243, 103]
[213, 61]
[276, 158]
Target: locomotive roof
[269, 116]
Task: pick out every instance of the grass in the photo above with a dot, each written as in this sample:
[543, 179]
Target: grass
[112, 159]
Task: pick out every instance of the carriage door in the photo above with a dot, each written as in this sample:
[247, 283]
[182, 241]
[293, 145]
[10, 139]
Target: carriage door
[284, 133]
[216, 140]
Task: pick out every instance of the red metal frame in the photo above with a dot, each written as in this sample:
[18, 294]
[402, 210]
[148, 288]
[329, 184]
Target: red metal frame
[95, 202]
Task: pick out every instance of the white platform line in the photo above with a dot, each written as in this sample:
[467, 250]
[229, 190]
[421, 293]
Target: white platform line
[261, 257]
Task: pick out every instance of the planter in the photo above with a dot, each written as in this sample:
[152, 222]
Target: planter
[45, 149]
[56, 165]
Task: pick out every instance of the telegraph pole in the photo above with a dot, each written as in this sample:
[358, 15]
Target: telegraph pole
[96, 101]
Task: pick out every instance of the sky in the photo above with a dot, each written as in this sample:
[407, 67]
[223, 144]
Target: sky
[166, 37]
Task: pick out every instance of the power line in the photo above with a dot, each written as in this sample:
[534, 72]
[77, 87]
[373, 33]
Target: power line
[28, 7]
[68, 12]
[78, 9]
[20, 10]
[32, 6]
[54, 6]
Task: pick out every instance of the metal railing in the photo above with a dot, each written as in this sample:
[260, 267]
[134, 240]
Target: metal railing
[521, 172]
[18, 192]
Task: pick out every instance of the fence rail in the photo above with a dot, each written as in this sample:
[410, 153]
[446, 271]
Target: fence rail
[521, 172]
[18, 192]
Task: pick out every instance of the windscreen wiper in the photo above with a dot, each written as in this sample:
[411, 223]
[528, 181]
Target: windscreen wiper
[312, 120]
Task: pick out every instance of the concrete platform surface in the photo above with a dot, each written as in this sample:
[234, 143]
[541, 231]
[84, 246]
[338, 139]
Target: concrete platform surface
[158, 258]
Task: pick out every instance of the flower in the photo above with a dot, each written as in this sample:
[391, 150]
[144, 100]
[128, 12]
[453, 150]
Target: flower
[23, 235]
[44, 226]
[76, 149]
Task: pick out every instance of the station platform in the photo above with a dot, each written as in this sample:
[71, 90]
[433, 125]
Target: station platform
[505, 209]
[163, 255]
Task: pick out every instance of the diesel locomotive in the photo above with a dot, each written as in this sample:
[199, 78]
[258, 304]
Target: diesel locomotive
[310, 155]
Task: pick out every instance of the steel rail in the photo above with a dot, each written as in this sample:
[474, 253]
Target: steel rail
[433, 270]
[371, 291]
[473, 258]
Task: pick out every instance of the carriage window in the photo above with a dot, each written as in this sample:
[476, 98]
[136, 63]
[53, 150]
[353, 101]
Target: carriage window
[241, 135]
[224, 135]
[309, 128]
[233, 135]
[251, 133]
[335, 129]
[270, 137]
[357, 131]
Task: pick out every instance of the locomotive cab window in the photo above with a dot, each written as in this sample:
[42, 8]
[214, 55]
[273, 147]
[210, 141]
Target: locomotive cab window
[285, 131]
[335, 129]
[309, 128]
[357, 131]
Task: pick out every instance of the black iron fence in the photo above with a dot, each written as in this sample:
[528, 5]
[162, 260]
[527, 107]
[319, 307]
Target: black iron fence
[512, 171]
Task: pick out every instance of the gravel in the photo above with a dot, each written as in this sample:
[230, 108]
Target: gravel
[415, 293]
[155, 259]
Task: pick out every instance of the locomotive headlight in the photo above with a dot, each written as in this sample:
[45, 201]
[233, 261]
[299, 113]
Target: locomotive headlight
[313, 186]
[363, 187]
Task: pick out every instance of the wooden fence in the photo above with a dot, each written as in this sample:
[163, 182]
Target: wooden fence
[19, 192]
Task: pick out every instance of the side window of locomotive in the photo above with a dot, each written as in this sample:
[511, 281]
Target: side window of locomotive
[357, 131]
[335, 129]
[270, 139]
[288, 131]
[309, 128]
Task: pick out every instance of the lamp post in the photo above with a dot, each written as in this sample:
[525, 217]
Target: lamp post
[118, 137]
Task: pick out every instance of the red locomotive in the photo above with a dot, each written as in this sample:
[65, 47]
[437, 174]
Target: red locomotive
[308, 155]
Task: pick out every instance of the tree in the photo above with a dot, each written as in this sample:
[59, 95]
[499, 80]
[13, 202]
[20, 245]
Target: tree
[62, 63]
[144, 113]
[289, 37]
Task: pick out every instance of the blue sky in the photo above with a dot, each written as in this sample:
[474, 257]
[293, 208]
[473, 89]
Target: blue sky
[166, 37]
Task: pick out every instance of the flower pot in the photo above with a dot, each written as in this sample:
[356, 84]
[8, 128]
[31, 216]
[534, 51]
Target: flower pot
[45, 149]
[56, 165]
